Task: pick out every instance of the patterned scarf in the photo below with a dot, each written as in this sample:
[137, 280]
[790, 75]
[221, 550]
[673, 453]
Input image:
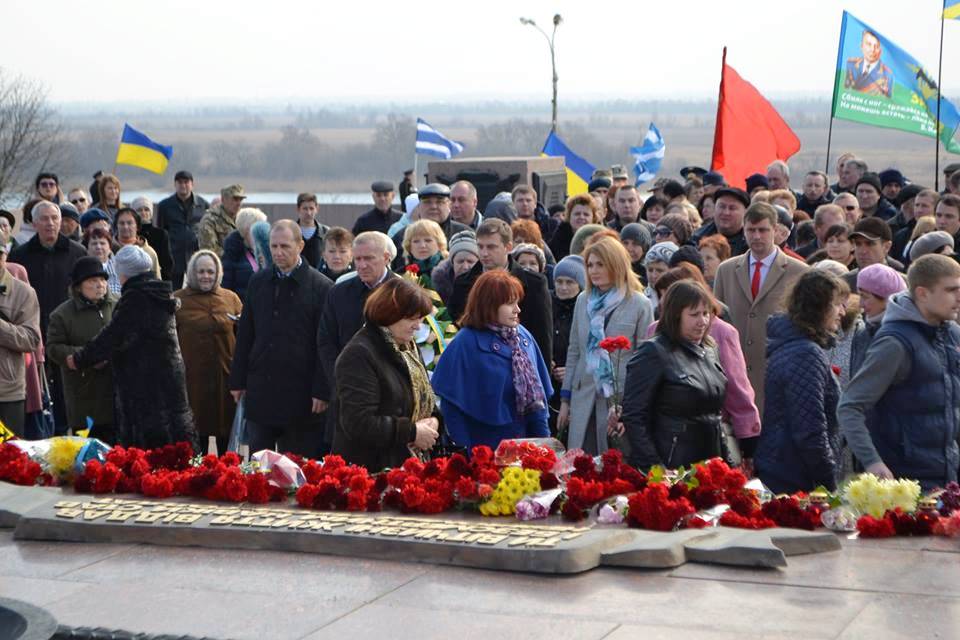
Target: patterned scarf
[599, 307]
[526, 382]
[423, 400]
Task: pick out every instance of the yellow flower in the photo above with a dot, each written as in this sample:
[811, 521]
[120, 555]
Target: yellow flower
[63, 453]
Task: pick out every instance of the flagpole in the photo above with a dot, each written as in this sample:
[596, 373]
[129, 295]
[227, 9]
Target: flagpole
[936, 132]
[716, 125]
[833, 99]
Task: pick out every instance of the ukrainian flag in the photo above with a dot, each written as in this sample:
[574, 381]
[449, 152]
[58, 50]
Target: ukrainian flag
[579, 171]
[951, 9]
[138, 150]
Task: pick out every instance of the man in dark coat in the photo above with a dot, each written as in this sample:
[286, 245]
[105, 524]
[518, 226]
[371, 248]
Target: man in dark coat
[495, 241]
[49, 257]
[179, 215]
[383, 215]
[343, 315]
[141, 344]
[528, 208]
[313, 232]
[275, 366]
[730, 205]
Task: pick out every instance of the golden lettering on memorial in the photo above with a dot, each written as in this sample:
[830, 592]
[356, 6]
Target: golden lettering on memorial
[119, 511]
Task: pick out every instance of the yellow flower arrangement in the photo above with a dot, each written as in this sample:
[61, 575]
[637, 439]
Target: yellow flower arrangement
[62, 454]
[868, 494]
[514, 484]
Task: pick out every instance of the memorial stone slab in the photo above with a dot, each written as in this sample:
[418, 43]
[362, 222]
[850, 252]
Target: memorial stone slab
[469, 540]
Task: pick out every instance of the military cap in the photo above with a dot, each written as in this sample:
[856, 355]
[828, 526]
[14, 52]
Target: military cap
[599, 183]
[619, 171]
[953, 167]
[689, 172]
[233, 191]
[601, 173]
[381, 186]
[659, 184]
[436, 190]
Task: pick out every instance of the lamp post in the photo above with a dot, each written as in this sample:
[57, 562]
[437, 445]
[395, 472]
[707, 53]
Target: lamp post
[553, 58]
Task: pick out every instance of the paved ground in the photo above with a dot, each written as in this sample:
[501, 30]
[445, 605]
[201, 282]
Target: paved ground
[899, 588]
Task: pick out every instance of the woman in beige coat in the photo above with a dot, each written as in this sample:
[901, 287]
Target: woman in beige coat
[612, 305]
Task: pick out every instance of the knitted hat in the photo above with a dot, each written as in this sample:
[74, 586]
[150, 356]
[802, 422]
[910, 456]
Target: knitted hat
[67, 210]
[757, 181]
[638, 233]
[463, 241]
[411, 202]
[931, 242]
[687, 253]
[832, 266]
[892, 176]
[880, 280]
[871, 179]
[131, 261]
[599, 183]
[660, 252]
[581, 236]
[571, 267]
[679, 224]
[526, 247]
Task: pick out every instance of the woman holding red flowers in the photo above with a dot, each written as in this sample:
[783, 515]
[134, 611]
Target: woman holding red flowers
[612, 304]
[675, 385]
[492, 380]
[385, 406]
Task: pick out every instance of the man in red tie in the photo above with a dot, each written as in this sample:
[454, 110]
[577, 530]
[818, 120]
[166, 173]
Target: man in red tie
[753, 287]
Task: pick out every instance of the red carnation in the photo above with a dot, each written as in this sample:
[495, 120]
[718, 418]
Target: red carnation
[412, 268]
[615, 343]
[870, 527]
[734, 519]
[653, 509]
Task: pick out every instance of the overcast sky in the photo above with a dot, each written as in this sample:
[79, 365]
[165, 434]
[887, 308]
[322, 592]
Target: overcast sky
[375, 51]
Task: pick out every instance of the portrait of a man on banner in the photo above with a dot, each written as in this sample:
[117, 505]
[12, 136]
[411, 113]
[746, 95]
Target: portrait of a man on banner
[867, 73]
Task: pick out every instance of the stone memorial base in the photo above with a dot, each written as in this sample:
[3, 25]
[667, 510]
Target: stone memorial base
[467, 540]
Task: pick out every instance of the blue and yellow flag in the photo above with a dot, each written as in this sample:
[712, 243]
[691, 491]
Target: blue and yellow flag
[579, 171]
[951, 9]
[138, 150]
[880, 84]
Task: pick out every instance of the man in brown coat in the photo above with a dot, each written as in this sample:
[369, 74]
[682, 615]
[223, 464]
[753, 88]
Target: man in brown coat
[753, 286]
[19, 334]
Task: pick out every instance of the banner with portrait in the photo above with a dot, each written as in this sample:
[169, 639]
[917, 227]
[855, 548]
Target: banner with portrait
[878, 83]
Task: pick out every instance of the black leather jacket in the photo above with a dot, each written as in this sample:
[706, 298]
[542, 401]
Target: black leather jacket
[671, 406]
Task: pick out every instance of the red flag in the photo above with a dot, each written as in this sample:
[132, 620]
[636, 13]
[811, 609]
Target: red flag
[750, 134]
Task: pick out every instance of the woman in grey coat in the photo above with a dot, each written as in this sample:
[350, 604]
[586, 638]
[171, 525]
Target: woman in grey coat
[612, 305]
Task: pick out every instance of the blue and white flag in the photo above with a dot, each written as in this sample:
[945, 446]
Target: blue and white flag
[433, 143]
[648, 156]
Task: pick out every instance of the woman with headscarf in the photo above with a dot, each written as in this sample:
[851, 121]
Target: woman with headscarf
[151, 408]
[206, 320]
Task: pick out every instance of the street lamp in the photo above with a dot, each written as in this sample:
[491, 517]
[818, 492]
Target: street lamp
[553, 59]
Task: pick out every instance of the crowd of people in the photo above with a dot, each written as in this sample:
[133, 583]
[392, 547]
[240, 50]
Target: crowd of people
[803, 335]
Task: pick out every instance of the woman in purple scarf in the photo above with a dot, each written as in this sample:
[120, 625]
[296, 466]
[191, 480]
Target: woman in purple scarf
[492, 380]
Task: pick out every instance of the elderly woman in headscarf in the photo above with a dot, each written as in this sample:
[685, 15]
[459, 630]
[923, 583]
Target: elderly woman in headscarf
[206, 319]
[151, 408]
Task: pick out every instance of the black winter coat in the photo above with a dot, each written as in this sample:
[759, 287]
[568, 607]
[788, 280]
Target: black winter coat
[237, 269]
[276, 359]
[159, 241]
[799, 446]
[536, 308]
[376, 220]
[313, 248]
[49, 271]
[374, 403]
[562, 323]
[141, 344]
[180, 219]
[560, 242]
[671, 405]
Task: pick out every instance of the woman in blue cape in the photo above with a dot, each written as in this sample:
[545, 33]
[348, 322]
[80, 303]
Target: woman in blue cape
[492, 381]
